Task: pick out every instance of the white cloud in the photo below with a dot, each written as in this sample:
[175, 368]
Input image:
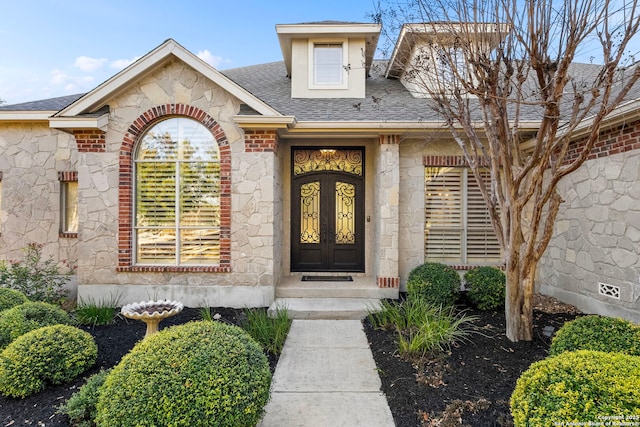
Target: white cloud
[120, 64]
[88, 64]
[210, 58]
[71, 83]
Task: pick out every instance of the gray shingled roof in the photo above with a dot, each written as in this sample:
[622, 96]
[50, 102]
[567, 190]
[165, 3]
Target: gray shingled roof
[386, 99]
[51, 104]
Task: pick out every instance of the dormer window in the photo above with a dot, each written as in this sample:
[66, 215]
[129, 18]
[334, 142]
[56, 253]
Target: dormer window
[329, 64]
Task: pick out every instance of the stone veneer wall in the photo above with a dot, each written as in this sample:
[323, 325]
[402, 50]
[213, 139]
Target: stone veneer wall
[249, 281]
[31, 158]
[593, 260]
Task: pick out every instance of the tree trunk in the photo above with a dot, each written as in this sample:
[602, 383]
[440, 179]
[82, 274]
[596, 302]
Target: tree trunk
[519, 300]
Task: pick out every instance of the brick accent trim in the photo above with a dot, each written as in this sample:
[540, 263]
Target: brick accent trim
[453, 161]
[126, 203]
[90, 140]
[389, 139]
[620, 139]
[67, 176]
[260, 141]
[388, 282]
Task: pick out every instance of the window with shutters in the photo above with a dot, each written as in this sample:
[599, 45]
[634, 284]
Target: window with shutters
[458, 229]
[177, 195]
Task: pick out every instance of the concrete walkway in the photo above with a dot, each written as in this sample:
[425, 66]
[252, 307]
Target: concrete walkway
[326, 377]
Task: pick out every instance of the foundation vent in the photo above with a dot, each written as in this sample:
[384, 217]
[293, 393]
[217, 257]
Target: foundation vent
[610, 291]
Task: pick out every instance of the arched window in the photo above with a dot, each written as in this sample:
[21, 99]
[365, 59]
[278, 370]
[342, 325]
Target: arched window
[177, 195]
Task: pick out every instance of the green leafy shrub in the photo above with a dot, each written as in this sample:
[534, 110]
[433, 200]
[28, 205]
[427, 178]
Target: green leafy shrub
[577, 387]
[487, 287]
[421, 327]
[10, 298]
[81, 406]
[195, 374]
[269, 332]
[29, 316]
[436, 283]
[597, 333]
[49, 355]
[38, 279]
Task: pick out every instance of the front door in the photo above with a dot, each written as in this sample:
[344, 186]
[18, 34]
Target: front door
[327, 210]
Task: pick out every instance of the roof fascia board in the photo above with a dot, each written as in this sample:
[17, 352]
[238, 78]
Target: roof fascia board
[94, 98]
[264, 122]
[66, 123]
[388, 126]
[25, 116]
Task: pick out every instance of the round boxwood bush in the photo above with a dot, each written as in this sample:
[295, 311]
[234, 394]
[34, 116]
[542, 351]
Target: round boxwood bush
[10, 298]
[196, 374]
[81, 406]
[597, 333]
[49, 355]
[26, 317]
[434, 283]
[486, 287]
[577, 387]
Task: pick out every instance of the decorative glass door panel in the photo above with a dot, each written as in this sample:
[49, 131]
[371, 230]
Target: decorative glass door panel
[327, 210]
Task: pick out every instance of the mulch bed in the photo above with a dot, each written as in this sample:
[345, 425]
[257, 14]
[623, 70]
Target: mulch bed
[470, 386]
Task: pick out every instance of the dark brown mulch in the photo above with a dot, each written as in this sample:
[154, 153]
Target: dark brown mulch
[471, 385]
[476, 382]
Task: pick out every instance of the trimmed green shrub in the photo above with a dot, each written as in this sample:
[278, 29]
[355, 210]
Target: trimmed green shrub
[195, 374]
[29, 316]
[49, 355]
[577, 387]
[81, 406]
[597, 333]
[435, 283]
[487, 287]
[10, 298]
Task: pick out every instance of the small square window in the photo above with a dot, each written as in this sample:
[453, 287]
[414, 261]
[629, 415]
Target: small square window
[69, 207]
[327, 63]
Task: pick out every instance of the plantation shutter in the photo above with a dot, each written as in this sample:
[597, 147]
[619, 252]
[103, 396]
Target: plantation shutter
[482, 243]
[458, 228]
[443, 215]
[177, 208]
[199, 212]
[155, 212]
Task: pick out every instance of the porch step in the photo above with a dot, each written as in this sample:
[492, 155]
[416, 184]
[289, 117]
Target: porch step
[360, 287]
[326, 308]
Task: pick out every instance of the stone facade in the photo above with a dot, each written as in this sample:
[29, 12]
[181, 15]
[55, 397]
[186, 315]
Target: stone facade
[31, 157]
[593, 260]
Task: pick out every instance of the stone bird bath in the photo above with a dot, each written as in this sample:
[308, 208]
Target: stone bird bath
[152, 312]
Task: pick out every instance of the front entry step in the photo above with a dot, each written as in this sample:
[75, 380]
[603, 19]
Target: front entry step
[326, 308]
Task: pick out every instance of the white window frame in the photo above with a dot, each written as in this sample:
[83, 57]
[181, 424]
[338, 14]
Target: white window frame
[344, 66]
[448, 223]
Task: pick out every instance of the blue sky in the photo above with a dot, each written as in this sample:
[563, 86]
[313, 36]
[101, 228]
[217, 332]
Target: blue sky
[52, 48]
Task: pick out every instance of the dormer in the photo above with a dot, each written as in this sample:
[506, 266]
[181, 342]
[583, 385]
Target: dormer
[425, 54]
[328, 59]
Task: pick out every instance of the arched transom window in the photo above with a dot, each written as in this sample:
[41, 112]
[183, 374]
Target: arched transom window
[177, 195]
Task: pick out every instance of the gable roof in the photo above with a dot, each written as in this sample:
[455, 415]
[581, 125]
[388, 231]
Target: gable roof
[98, 96]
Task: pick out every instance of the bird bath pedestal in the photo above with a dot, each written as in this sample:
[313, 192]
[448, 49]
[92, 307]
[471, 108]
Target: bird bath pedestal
[151, 312]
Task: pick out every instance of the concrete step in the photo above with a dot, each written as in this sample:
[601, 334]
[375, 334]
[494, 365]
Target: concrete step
[326, 308]
[360, 287]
